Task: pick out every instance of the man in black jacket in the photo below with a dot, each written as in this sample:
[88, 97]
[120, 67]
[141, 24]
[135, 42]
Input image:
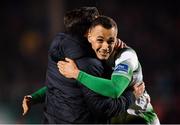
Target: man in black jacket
[66, 100]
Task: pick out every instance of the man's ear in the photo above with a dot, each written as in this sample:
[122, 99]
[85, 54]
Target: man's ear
[89, 36]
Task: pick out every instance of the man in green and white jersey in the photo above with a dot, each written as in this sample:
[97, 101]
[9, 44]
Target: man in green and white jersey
[127, 70]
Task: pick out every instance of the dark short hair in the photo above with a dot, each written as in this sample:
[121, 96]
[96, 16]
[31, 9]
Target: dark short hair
[104, 21]
[79, 20]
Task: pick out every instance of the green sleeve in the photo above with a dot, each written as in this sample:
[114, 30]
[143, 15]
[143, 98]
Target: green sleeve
[112, 88]
[39, 95]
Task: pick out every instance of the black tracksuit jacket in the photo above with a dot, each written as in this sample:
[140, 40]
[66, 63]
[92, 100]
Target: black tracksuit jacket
[67, 101]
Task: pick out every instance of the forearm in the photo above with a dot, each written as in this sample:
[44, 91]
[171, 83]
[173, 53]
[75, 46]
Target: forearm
[39, 95]
[111, 88]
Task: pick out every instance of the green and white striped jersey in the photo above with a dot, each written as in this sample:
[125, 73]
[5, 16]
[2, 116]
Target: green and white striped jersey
[127, 64]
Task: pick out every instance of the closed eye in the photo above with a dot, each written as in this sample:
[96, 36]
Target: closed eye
[111, 41]
[100, 40]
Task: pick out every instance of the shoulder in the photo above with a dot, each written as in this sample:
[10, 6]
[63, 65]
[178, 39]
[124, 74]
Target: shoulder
[128, 56]
[62, 40]
[60, 37]
[56, 40]
[89, 61]
[90, 65]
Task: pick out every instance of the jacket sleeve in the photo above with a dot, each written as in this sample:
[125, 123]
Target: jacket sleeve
[101, 105]
[39, 95]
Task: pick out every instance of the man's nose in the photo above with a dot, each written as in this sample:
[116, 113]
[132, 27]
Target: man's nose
[105, 45]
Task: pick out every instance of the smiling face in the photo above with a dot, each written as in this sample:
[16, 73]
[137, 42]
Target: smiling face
[102, 41]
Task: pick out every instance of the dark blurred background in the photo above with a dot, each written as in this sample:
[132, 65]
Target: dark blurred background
[28, 27]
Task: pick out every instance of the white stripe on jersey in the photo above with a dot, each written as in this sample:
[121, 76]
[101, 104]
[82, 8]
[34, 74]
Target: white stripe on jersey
[130, 57]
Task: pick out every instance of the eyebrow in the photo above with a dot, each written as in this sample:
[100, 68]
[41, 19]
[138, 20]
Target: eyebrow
[100, 37]
[111, 38]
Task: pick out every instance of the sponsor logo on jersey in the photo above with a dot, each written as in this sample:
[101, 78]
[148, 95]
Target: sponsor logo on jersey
[121, 68]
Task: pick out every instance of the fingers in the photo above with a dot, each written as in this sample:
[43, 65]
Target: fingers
[61, 68]
[139, 89]
[142, 83]
[135, 85]
[26, 104]
[24, 111]
[68, 60]
[139, 86]
[142, 87]
[60, 65]
[62, 62]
